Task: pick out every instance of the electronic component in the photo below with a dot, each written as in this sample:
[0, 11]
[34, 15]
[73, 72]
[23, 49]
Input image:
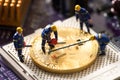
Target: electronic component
[105, 67]
[13, 12]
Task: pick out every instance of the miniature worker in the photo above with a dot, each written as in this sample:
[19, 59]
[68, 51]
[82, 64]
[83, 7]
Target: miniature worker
[84, 17]
[19, 42]
[46, 36]
[103, 40]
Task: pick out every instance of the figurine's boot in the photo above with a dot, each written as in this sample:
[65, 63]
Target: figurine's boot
[102, 53]
[88, 30]
[43, 49]
[52, 46]
[21, 57]
[81, 25]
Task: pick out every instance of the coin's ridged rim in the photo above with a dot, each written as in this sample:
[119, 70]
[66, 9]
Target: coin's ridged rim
[49, 69]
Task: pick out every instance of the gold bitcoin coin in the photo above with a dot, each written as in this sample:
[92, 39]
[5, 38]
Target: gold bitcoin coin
[69, 55]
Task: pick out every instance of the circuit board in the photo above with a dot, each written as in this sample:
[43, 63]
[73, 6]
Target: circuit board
[103, 67]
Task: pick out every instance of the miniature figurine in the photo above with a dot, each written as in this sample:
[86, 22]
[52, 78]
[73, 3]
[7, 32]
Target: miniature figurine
[103, 40]
[116, 4]
[46, 33]
[83, 16]
[19, 42]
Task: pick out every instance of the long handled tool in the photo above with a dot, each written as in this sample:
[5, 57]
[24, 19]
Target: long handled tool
[28, 46]
[79, 42]
[58, 56]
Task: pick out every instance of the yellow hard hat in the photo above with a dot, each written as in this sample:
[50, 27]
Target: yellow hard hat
[77, 7]
[53, 28]
[19, 29]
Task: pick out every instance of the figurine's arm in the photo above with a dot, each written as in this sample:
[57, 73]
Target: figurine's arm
[56, 35]
[15, 41]
[88, 15]
[77, 15]
[89, 19]
[43, 45]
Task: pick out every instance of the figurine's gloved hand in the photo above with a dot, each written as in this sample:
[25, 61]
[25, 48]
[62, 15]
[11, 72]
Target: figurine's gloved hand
[16, 49]
[91, 25]
[92, 37]
[56, 41]
[48, 41]
[90, 21]
[77, 20]
[24, 44]
[43, 49]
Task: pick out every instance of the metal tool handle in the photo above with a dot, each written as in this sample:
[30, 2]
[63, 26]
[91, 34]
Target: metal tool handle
[68, 46]
[28, 46]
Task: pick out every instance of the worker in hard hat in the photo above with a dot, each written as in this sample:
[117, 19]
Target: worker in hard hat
[19, 42]
[84, 17]
[103, 40]
[46, 36]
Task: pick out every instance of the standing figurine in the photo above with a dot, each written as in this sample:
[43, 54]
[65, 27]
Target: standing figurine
[46, 36]
[83, 16]
[19, 42]
[103, 40]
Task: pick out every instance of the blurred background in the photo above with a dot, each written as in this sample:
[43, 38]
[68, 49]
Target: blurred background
[34, 14]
